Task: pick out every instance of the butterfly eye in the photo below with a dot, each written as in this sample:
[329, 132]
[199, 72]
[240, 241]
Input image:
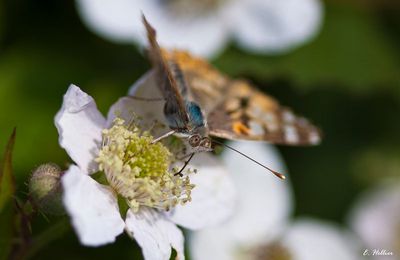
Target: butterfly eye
[194, 140]
[205, 142]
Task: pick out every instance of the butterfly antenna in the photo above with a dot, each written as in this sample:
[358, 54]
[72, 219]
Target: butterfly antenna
[277, 174]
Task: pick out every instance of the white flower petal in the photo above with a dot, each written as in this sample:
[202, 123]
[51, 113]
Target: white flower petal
[120, 20]
[275, 26]
[310, 239]
[79, 126]
[145, 87]
[203, 35]
[117, 20]
[149, 111]
[262, 209]
[376, 218]
[92, 207]
[213, 198]
[265, 202]
[154, 234]
[212, 244]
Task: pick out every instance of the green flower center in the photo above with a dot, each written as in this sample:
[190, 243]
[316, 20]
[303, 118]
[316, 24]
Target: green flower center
[138, 169]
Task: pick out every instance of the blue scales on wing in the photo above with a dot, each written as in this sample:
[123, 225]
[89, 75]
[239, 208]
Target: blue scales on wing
[196, 118]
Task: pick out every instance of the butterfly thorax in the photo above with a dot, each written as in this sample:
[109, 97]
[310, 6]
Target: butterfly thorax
[195, 129]
[186, 120]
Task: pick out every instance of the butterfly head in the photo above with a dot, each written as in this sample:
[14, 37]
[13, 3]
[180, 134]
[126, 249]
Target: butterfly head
[200, 143]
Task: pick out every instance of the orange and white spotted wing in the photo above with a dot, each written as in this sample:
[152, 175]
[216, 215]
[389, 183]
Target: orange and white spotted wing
[237, 110]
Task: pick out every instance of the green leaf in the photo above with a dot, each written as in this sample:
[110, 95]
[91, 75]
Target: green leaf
[7, 182]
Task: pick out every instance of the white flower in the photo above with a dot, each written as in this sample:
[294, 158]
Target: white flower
[376, 219]
[93, 207]
[260, 227]
[204, 27]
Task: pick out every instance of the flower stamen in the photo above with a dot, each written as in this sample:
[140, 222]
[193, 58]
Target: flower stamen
[139, 170]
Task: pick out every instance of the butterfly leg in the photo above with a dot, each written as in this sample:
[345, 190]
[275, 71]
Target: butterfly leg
[163, 136]
[184, 166]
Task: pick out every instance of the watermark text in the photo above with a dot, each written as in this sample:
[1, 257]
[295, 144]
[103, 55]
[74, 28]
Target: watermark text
[377, 252]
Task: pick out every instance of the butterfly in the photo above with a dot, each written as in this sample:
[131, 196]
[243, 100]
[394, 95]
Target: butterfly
[201, 102]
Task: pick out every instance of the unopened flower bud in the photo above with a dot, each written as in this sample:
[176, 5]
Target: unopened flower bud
[45, 188]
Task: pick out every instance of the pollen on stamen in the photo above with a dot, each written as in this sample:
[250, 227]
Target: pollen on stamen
[139, 171]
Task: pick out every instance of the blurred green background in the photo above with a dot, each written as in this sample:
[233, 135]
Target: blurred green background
[347, 81]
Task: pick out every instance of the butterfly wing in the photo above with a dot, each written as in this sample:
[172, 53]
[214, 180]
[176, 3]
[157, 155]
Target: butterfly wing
[204, 84]
[247, 113]
[174, 109]
[236, 110]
